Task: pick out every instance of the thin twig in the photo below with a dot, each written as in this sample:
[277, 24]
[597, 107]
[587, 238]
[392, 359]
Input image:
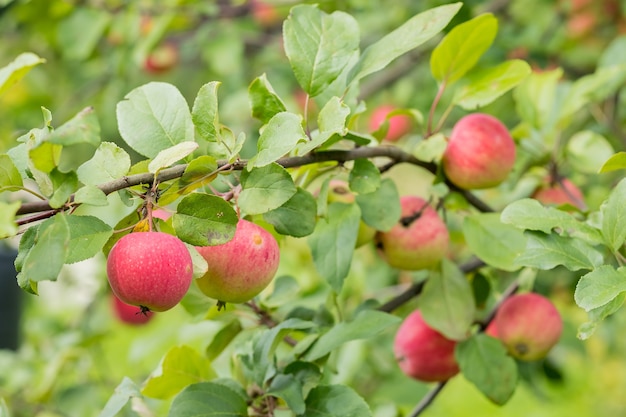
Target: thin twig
[428, 399]
[266, 319]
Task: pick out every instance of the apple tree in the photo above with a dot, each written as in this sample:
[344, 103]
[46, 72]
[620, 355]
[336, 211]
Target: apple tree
[318, 257]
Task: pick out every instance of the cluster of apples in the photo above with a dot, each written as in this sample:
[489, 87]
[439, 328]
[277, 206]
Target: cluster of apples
[153, 270]
[528, 325]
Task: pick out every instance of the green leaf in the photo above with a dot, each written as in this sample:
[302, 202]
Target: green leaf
[462, 47]
[364, 177]
[153, 117]
[45, 157]
[199, 264]
[296, 217]
[381, 208]
[587, 151]
[4, 409]
[126, 390]
[209, 399]
[366, 324]
[319, 45]
[8, 227]
[171, 155]
[614, 217]
[265, 188]
[331, 122]
[614, 163]
[80, 32]
[82, 128]
[410, 35]
[279, 137]
[483, 86]
[447, 303]
[496, 243]
[108, 163]
[547, 251]
[181, 366]
[17, 69]
[204, 112]
[335, 400]
[596, 315]
[529, 214]
[204, 220]
[222, 338]
[64, 185]
[535, 98]
[288, 389]
[47, 256]
[200, 171]
[332, 243]
[431, 150]
[91, 195]
[484, 362]
[264, 100]
[9, 174]
[88, 235]
[600, 286]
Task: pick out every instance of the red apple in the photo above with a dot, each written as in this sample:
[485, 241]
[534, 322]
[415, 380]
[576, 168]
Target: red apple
[528, 325]
[242, 267]
[422, 352]
[161, 214]
[492, 330]
[399, 125]
[152, 270]
[559, 193]
[418, 245]
[129, 314]
[265, 14]
[163, 58]
[480, 152]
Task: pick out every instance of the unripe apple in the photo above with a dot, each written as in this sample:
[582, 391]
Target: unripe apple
[399, 125]
[528, 325]
[420, 244]
[163, 58]
[422, 352]
[129, 314]
[339, 191]
[152, 270]
[242, 267]
[563, 192]
[480, 152]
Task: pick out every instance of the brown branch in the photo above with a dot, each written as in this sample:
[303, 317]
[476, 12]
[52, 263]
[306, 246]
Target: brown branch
[428, 399]
[268, 321]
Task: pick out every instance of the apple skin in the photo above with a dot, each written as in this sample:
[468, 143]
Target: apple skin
[480, 152]
[528, 325]
[399, 125]
[128, 314]
[422, 352]
[265, 14]
[152, 270]
[162, 59]
[420, 245]
[555, 194]
[242, 267]
[339, 191]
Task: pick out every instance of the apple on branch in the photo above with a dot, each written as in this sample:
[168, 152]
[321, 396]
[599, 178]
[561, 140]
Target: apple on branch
[242, 267]
[398, 124]
[418, 241]
[129, 314]
[152, 270]
[422, 352]
[480, 152]
[162, 58]
[560, 193]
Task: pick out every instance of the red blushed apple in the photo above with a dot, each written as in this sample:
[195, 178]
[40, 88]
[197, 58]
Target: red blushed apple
[422, 352]
[129, 314]
[528, 325]
[152, 270]
[480, 152]
[242, 267]
[420, 244]
[265, 14]
[163, 58]
[399, 125]
[559, 193]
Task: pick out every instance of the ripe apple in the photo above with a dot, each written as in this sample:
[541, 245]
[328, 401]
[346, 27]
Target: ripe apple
[422, 352]
[129, 314]
[339, 191]
[163, 58]
[559, 193]
[265, 14]
[480, 152]
[242, 267]
[152, 270]
[418, 245]
[528, 325]
[399, 125]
